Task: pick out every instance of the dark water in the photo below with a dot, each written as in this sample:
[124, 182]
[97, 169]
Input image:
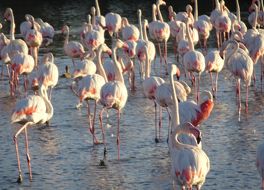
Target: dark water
[63, 155]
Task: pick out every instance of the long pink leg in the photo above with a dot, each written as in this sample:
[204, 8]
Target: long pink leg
[19, 180]
[216, 83]
[246, 99]
[28, 156]
[101, 126]
[213, 89]
[160, 54]
[198, 89]
[165, 57]
[239, 99]
[156, 135]
[160, 120]
[169, 126]
[118, 137]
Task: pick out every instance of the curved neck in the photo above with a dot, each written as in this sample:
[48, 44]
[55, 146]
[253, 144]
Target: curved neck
[159, 13]
[100, 68]
[255, 18]
[217, 5]
[140, 26]
[97, 8]
[238, 11]
[118, 71]
[147, 63]
[145, 35]
[49, 107]
[191, 46]
[230, 53]
[154, 12]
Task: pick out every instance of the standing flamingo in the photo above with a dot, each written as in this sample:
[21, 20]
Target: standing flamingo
[129, 31]
[114, 94]
[48, 73]
[32, 110]
[113, 23]
[89, 88]
[47, 32]
[192, 170]
[34, 40]
[260, 162]
[214, 64]
[21, 64]
[240, 65]
[159, 31]
[193, 60]
[72, 49]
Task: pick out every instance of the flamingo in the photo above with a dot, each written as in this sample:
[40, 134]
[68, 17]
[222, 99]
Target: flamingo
[144, 46]
[159, 30]
[114, 94]
[89, 88]
[239, 25]
[14, 45]
[113, 23]
[129, 31]
[34, 39]
[72, 49]
[48, 73]
[47, 32]
[83, 68]
[240, 65]
[214, 64]
[99, 19]
[193, 60]
[251, 17]
[27, 25]
[34, 109]
[192, 170]
[260, 162]
[21, 64]
[196, 113]
[4, 41]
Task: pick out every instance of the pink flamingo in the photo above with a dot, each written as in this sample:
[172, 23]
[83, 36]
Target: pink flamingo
[48, 74]
[159, 31]
[193, 61]
[83, 68]
[93, 38]
[32, 110]
[21, 64]
[214, 64]
[129, 31]
[114, 94]
[260, 162]
[239, 25]
[89, 88]
[47, 32]
[240, 65]
[99, 19]
[192, 170]
[113, 23]
[14, 45]
[144, 46]
[72, 49]
[27, 25]
[195, 113]
[34, 39]
[4, 41]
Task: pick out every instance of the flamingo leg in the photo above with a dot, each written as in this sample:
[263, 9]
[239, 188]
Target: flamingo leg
[216, 83]
[198, 89]
[239, 99]
[160, 54]
[101, 126]
[169, 126]
[28, 156]
[246, 106]
[160, 120]
[261, 75]
[20, 179]
[156, 135]
[73, 63]
[118, 136]
[213, 89]
[165, 57]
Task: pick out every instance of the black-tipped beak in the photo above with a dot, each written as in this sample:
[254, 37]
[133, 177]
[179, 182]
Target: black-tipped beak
[199, 139]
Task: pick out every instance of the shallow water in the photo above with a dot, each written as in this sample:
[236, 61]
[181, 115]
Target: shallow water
[64, 157]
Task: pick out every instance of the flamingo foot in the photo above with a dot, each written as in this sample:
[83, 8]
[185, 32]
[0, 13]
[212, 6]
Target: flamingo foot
[157, 140]
[20, 178]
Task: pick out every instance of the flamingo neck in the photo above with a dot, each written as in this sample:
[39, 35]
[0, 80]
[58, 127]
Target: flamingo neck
[147, 63]
[195, 10]
[191, 46]
[12, 26]
[232, 52]
[238, 11]
[118, 71]
[145, 35]
[175, 105]
[140, 26]
[66, 41]
[154, 13]
[100, 68]
[217, 5]
[97, 8]
[255, 18]
[49, 107]
[159, 13]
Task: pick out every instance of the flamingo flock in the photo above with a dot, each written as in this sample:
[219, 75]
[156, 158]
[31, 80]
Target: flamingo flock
[99, 75]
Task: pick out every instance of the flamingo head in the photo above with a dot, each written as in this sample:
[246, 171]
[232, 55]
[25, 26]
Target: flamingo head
[65, 29]
[93, 10]
[8, 13]
[189, 8]
[160, 2]
[35, 84]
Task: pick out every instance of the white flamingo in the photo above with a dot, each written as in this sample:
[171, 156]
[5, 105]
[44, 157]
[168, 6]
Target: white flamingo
[114, 94]
[47, 32]
[73, 49]
[32, 110]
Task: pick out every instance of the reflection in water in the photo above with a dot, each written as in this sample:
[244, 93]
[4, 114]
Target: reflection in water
[63, 155]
